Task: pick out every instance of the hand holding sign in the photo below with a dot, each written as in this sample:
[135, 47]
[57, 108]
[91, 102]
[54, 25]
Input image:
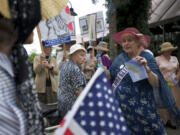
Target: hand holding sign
[136, 71]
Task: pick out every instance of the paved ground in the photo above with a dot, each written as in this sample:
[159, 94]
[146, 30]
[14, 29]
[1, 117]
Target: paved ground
[173, 131]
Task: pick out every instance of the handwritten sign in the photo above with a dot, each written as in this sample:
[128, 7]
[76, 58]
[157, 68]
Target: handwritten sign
[83, 23]
[59, 29]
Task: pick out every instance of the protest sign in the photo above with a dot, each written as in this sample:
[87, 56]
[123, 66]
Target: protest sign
[83, 23]
[136, 71]
[59, 29]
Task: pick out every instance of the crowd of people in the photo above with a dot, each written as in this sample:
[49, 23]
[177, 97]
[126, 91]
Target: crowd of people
[148, 105]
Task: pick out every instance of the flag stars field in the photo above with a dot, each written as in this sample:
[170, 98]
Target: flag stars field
[104, 116]
[100, 103]
[82, 113]
[98, 86]
[92, 113]
[91, 104]
[90, 95]
[101, 113]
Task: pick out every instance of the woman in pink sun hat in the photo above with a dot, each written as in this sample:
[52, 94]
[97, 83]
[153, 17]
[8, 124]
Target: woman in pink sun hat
[136, 98]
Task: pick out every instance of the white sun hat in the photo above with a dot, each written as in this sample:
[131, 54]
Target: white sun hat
[75, 48]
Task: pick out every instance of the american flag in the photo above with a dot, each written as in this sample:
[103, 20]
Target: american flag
[95, 112]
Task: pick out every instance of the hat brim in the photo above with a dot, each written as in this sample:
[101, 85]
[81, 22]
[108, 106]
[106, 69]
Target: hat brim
[76, 51]
[117, 37]
[168, 49]
[49, 8]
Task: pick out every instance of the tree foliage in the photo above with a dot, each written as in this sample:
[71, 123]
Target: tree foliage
[128, 13]
[133, 13]
[31, 57]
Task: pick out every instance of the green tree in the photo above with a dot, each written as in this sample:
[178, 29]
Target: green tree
[128, 13]
[31, 57]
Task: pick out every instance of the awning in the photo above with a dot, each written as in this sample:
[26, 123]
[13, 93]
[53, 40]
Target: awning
[164, 11]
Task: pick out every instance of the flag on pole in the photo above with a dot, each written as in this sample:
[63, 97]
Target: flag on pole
[95, 112]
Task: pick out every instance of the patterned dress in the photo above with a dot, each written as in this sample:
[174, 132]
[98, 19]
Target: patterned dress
[137, 101]
[71, 80]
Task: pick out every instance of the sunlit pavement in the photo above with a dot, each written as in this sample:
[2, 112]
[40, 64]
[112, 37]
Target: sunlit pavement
[173, 131]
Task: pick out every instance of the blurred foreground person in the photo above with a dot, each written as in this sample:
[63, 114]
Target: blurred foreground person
[136, 98]
[19, 107]
[169, 67]
[46, 69]
[72, 79]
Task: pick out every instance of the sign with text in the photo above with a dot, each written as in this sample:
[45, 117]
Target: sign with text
[59, 29]
[83, 23]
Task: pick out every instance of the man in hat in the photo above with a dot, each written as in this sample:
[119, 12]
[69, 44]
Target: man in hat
[62, 56]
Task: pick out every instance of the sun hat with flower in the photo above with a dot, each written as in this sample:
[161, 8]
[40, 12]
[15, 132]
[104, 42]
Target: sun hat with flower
[167, 46]
[135, 32]
[76, 47]
[103, 46]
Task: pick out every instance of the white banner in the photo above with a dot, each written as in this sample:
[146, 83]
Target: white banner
[59, 29]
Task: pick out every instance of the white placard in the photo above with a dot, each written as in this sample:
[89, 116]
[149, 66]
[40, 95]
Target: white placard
[59, 29]
[83, 23]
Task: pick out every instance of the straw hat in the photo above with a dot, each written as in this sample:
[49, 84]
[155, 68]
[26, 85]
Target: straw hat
[102, 46]
[75, 48]
[167, 46]
[134, 32]
[49, 8]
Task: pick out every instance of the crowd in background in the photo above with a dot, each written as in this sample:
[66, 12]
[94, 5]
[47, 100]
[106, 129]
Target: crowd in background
[147, 105]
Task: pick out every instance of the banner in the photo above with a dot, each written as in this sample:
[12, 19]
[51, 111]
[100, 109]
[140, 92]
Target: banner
[59, 29]
[83, 23]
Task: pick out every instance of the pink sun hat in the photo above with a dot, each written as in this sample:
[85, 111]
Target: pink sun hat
[145, 39]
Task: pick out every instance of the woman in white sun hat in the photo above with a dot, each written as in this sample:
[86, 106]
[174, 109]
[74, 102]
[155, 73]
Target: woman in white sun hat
[72, 79]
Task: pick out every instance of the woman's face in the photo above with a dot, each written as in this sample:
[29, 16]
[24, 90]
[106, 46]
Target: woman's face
[79, 57]
[129, 43]
[47, 50]
[167, 53]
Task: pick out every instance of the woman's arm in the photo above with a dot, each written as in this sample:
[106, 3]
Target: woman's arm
[152, 77]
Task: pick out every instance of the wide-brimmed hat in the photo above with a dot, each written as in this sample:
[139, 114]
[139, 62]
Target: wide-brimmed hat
[76, 47]
[103, 46]
[167, 46]
[134, 32]
[49, 8]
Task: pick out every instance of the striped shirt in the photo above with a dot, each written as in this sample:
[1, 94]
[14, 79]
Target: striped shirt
[12, 119]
